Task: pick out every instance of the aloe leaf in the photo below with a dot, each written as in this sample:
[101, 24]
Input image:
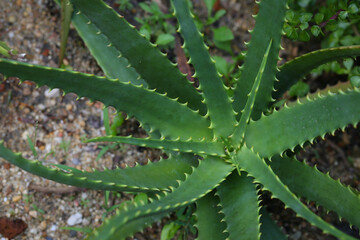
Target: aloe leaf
[149, 62]
[157, 176]
[66, 12]
[327, 192]
[289, 127]
[164, 114]
[209, 223]
[269, 24]
[269, 229]
[256, 167]
[238, 135]
[204, 147]
[210, 173]
[294, 70]
[108, 57]
[239, 201]
[219, 107]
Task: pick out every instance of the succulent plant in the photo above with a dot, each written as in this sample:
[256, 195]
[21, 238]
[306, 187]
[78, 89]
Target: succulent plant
[225, 147]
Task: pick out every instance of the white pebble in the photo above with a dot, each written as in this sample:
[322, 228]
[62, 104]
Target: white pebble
[74, 219]
[53, 228]
[53, 93]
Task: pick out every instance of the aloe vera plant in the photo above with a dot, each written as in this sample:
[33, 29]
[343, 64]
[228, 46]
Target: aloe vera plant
[222, 150]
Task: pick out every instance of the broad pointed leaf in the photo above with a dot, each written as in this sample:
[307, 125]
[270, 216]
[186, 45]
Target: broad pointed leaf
[327, 192]
[151, 177]
[168, 116]
[256, 167]
[310, 118]
[269, 24]
[204, 147]
[149, 62]
[219, 107]
[210, 173]
[209, 222]
[240, 205]
[294, 70]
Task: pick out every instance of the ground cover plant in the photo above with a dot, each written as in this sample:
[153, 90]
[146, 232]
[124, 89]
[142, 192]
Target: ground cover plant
[225, 147]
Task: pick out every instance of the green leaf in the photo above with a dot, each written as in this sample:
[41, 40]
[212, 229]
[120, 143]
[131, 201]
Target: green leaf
[315, 30]
[353, 9]
[210, 172]
[164, 39]
[223, 34]
[269, 229]
[169, 231]
[305, 17]
[355, 81]
[219, 107]
[289, 127]
[106, 55]
[304, 36]
[256, 167]
[239, 201]
[168, 116]
[294, 70]
[327, 192]
[209, 5]
[304, 26]
[222, 66]
[204, 147]
[148, 61]
[269, 24]
[299, 89]
[209, 223]
[239, 133]
[157, 176]
[318, 18]
[32, 147]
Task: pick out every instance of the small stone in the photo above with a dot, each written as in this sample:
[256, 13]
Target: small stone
[42, 225]
[76, 161]
[52, 93]
[33, 214]
[16, 198]
[53, 228]
[12, 19]
[68, 107]
[74, 219]
[72, 233]
[27, 91]
[296, 235]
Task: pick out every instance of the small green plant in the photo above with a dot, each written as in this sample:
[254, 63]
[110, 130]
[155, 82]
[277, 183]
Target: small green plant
[335, 23]
[124, 5]
[224, 147]
[155, 26]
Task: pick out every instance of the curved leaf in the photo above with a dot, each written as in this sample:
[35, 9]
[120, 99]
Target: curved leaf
[256, 167]
[269, 229]
[239, 133]
[294, 70]
[162, 113]
[327, 192]
[204, 147]
[291, 126]
[269, 24]
[209, 222]
[149, 62]
[239, 201]
[218, 103]
[152, 177]
[210, 172]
